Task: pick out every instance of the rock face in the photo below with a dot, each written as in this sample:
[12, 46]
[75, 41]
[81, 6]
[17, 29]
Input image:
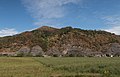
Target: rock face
[26, 51]
[114, 49]
[53, 52]
[23, 51]
[77, 51]
[36, 51]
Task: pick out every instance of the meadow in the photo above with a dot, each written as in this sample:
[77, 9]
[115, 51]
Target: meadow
[59, 67]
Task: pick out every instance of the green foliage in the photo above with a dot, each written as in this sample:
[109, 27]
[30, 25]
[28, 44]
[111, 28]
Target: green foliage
[113, 40]
[65, 30]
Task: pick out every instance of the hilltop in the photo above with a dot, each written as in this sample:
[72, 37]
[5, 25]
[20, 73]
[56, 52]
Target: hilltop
[67, 40]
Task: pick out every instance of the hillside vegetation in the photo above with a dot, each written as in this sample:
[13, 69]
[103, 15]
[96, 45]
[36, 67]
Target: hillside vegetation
[53, 41]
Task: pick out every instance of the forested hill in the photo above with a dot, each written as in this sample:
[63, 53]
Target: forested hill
[58, 40]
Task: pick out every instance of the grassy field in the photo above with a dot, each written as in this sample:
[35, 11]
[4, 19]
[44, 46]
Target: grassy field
[59, 67]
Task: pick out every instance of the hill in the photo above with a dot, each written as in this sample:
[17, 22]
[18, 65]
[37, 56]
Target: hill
[66, 41]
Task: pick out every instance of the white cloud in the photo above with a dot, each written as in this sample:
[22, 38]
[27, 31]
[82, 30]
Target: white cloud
[112, 20]
[7, 32]
[113, 23]
[45, 10]
[115, 29]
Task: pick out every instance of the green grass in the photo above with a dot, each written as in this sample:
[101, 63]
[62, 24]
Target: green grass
[59, 67]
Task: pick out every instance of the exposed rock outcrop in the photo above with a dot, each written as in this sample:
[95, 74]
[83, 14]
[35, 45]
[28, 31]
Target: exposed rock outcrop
[114, 49]
[36, 51]
[54, 52]
[23, 51]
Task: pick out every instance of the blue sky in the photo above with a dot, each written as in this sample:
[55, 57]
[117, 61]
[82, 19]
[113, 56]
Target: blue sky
[17, 16]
